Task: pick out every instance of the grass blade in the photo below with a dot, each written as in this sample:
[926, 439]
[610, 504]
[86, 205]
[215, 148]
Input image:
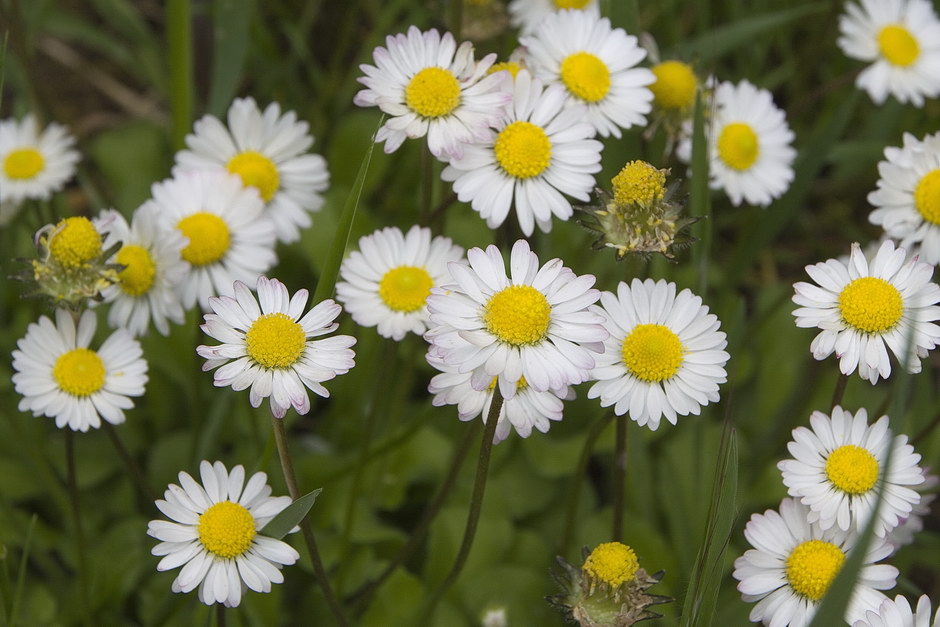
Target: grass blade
[700, 197]
[291, 516]
[231, 24]
[179, 39]
[21, 574]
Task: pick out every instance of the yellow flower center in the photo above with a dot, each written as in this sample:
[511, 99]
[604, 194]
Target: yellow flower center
[652, 352]
[521, 384]
[275, 341]
[256, 171]
[812, 566]
[405, 288]
[433, 92]
[208, 235]
[523, 150]
[79, 372]
[510, 66]
[613, 563]
[897, 45]
[75, 242]
[585, 76]
[571, 4]
[227, 529]
[852, 469]
[136, 278]
[518, 315]
[675, 85]
[738, 146]
[639, 183]
[927, 196]
[870, 304]
[23, 163]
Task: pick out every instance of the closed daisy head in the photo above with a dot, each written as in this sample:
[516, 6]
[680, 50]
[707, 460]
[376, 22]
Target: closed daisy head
[901, 41]
[794, 562]
[533, 323]
[386, 283]
[268, 152]
[214, 533]
[539, 153]
[59, 376]
[898, 613]
[267, 345]
[862, 307]
[664, 357]
[429, 86]
[838, 467]
[596, 65]
[526, 15]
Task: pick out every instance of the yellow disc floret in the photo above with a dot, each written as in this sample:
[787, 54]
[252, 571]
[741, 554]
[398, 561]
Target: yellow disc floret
[405, 288]
[275, 341]
[136, 278]
[510, 66]
[585, 76]
[897, 45]
[74, 242]
[927, 196]
[79, 372]
[227, 529]
[256, 171]
[738, 146]
[523, 150]
[652, 352]
[675, 85]
[23, 163]
[812, 566]
[871, 304]
[639, 183]
[852, 469]
[571, 4]
[612, 563]
[433, 92]
[209, 238]
[518, 315]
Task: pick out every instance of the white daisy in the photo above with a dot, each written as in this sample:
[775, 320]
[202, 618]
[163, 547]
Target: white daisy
[60, 377]
[839, 467]
[146, 287]
[33, 164]
[901, 40]
[214, 534]
[533, 324]
[269, 152]
[538, 153]
[596, 65]
[386, 283]
[229, 238]
[794, 562]
[429, 86]
[904, 533]
[526, 15]
[863, 306]
[898, 613]
[665, 355]
[269, 347]
[907, 200]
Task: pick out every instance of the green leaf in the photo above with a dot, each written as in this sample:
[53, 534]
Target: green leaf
[231, 23]
[290, 516]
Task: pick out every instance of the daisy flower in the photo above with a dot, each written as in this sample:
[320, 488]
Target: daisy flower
[59, 376]
[537, 154]
[664, 357]
[33, 164]
[596, 65]
[429, 86]
[153, 267]
[228, 236]
[213, 533]
[904, 533]
[794, 562]
[862, 307]
[907, 200]
[268, 151]
[386, 283]
[901, 40]
[268, 347]
[839, 467]
[898, 613]
[533, 324]
[526, 15]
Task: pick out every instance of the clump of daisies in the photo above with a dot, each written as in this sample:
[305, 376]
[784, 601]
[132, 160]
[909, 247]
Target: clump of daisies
[526, 15]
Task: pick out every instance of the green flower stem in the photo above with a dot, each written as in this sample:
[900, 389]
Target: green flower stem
[129, 461]
[72, 478]
[179, 39]
[427, 185]
[287, 467]
[620, 473]
[580, 471]
[219, 615]
[839, 392]
[923, 433]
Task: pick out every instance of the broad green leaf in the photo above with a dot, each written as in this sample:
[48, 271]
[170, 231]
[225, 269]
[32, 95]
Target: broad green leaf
[231, 21]
[290, 516]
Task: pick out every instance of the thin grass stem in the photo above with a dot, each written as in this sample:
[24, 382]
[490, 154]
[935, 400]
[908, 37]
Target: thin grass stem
[580, 471]
[620, 473]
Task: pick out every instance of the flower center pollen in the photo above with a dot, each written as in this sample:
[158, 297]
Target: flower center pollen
[226, 529]
[613, 563]
[275, 341]
[675, 85]
[585, 76]
[523, 150]
[927, 196]
[79, 372]
[897, 45]
[738, 146]
[571, 4]
[870, 304]
[405, 288]
[24, 163]
[136, 278]
[652, 352]
[75, 242]
[510, 66]
[208, 235]
[256, 171]
[639, 183]
[852, 469]
[812, 566]
[433, 92]
[518, 315]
